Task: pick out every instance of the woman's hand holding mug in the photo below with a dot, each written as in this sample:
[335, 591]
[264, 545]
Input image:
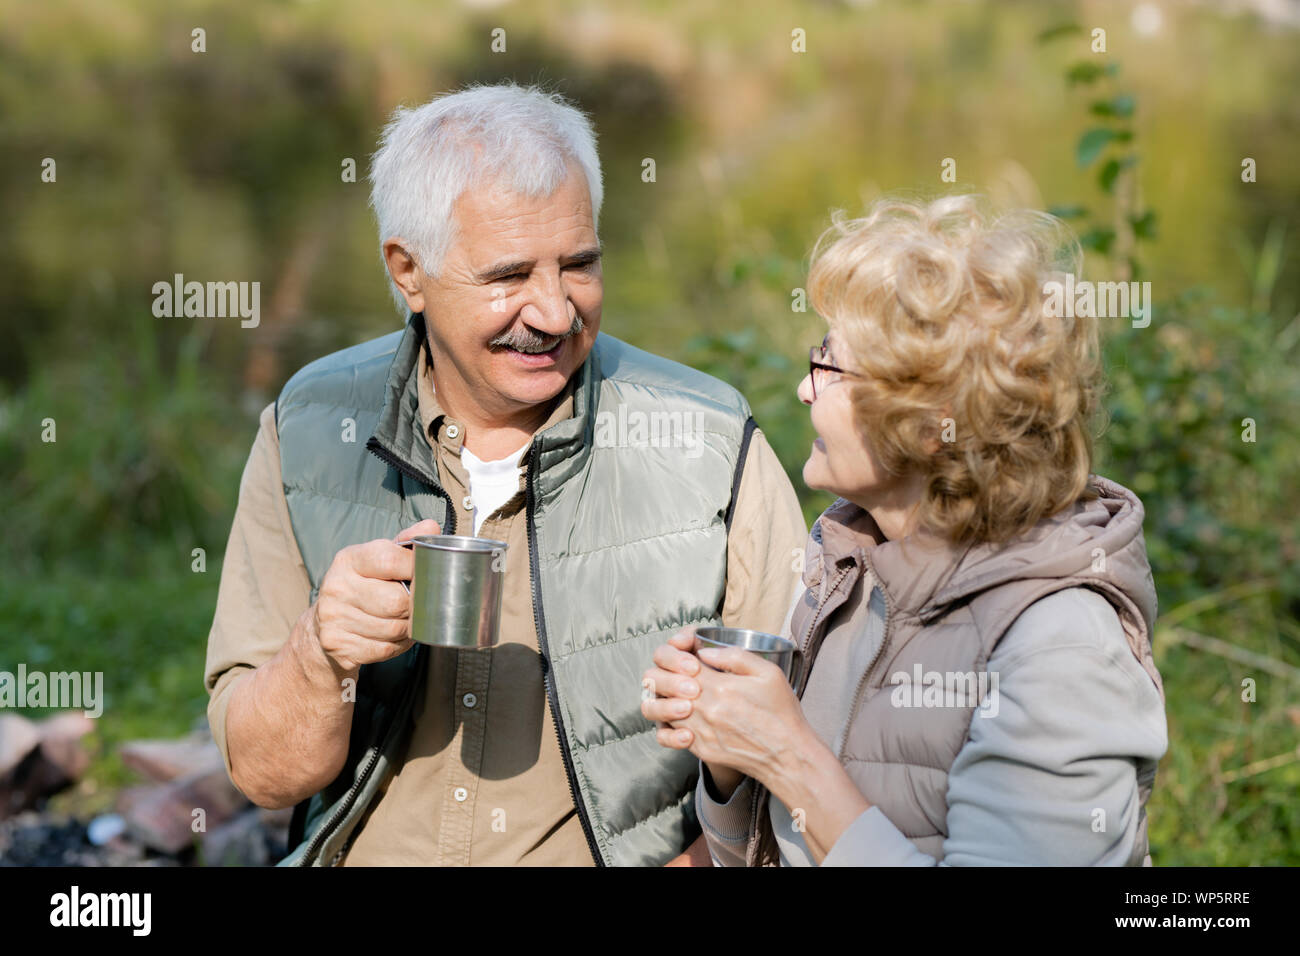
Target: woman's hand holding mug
[738, 714]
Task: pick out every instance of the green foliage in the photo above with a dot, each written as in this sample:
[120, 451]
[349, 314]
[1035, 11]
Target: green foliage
[1181, 391]
[1115, 109]
[1098, 239]
[1056, 32]
[1087, 72]
[1110, 171]
[768, 380]
[1119, 107]
[147, 449]
[1092, 142]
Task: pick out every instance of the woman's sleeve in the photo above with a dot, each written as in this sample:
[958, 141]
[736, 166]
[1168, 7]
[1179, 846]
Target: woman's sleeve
[725, 825]
[1049, 772]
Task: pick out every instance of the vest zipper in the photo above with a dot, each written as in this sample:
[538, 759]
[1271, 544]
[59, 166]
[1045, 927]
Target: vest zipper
[551, 693]
[862, 681]
[410, 471]
[350, 797]
[807, 638]
[322, 834]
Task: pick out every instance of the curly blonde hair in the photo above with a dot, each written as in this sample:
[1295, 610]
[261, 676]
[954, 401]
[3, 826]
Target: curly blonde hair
[968, 378]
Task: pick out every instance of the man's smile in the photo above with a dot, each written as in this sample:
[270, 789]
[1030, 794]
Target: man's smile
[527, 356]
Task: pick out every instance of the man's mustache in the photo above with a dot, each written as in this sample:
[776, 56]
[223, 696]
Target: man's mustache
[525, 339]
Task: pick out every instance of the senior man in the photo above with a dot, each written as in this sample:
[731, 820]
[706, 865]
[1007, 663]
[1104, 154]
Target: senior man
[499, 412]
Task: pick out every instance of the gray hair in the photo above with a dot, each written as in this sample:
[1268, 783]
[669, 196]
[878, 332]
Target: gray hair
[519, 137]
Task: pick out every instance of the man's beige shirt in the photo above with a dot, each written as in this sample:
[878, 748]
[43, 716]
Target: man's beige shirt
[483, 779]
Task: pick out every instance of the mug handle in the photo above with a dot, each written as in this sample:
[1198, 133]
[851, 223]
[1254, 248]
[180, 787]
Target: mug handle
[408, 543]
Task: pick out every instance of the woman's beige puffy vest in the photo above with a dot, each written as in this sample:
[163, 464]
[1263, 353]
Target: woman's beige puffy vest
[946, 610]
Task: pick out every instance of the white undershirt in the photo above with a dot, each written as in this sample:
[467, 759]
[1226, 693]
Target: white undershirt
[491, 483]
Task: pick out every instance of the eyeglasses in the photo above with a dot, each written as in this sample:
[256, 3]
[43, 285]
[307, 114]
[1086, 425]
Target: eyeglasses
[821, 373]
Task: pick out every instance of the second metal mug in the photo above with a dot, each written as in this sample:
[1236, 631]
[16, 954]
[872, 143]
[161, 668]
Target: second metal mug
[456, 590]
[779, 650]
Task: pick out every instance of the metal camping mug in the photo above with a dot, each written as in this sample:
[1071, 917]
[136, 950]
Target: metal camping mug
[779, 650]
[456, 590]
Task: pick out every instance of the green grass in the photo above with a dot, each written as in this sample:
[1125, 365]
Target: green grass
[143, 625]
[1196, 817]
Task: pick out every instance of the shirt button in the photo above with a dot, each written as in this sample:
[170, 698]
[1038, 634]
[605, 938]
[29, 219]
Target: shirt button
[461, 794]
[469, 700]
[468, 502]
[453, 431]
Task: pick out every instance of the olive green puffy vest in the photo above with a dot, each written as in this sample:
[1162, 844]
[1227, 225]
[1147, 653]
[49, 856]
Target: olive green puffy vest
[627, 537]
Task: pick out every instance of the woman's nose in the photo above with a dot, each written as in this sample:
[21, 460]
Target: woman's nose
[805, 391]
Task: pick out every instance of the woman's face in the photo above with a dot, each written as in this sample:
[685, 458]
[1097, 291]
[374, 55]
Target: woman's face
[842, 460]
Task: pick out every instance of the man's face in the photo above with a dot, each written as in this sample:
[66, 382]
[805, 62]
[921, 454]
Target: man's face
[522, 276]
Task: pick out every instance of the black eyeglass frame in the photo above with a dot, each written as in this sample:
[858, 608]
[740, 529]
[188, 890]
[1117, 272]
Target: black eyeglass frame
[819, 352]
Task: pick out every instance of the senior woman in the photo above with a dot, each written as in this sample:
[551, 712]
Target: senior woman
[977, 681]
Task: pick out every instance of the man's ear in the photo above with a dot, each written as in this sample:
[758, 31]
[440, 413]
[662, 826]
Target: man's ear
[405, 272]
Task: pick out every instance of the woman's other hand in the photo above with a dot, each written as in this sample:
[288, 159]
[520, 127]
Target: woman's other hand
[669, 691]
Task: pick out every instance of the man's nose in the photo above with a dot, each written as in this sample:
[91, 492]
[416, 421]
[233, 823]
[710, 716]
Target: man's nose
[549, 309]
